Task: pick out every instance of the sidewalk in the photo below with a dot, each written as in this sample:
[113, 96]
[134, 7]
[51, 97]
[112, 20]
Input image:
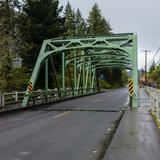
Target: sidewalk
[137, 137]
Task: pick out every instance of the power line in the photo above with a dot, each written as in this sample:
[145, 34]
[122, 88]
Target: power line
[154, 56]
[157, 62]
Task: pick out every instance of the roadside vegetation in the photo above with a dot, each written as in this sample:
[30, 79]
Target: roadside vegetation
[153, 76]
[24, 24]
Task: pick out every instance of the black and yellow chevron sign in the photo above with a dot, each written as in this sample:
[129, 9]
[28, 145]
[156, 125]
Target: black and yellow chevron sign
[30, 88]
[130, 86]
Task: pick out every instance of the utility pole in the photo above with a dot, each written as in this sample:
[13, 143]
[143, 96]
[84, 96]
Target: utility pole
[146, 51]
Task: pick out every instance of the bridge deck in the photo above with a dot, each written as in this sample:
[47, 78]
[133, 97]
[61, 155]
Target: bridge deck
[71, 130]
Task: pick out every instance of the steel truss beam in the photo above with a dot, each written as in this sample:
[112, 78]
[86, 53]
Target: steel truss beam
[87, 55]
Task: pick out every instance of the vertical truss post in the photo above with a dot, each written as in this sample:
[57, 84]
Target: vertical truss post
[90, 76]
[97, 81]
[135, 73]
[63, 73]
[69, 73]
[46, 78]
[79, 77]
[75, 74]
[86, 77]
[83, 73]
[93, 79]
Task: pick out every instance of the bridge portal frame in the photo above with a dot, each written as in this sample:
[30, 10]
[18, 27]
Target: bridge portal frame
[89, 54]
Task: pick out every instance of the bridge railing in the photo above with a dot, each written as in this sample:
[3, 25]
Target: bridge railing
[154, 101]
[41, 96]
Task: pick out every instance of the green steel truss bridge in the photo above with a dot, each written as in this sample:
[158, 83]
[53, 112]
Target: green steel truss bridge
[86, 55]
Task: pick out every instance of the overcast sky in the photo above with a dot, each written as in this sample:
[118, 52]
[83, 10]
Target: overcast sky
[138, 16]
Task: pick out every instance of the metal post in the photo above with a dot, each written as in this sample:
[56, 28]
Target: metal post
[3, 100]
[135, 73]
[0, 99]
[63, 73]
[83, 74]
[75, 74]
[158, 108]
[83, 66]
[16, 96]
[46, 79]
[70, 78]
[93, 78]
[79, 77]
[97, 81]
[90, 77]
[86, 77]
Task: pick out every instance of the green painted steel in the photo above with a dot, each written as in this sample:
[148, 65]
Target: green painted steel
[75, 73]
[46, 77]
[88, 54]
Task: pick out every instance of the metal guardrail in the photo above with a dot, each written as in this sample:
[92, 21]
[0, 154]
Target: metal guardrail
[41, 96]
[154, 101]
[11, 98]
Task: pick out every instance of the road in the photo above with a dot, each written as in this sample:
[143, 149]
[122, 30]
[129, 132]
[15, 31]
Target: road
[70, 130]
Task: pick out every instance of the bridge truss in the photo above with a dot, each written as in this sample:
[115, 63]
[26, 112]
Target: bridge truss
[87, 55]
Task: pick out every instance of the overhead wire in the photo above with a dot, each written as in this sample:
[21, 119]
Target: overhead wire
[157, 62]
[154, 57]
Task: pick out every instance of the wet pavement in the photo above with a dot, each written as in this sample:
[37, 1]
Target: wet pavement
[137, 137]
[70, 130]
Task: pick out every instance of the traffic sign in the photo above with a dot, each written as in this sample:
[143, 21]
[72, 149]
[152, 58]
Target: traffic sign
[30, 88]
[130, 86]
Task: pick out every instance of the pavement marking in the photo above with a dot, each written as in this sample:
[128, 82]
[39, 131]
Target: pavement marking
[17, 119]
[25, 153]
[63, 114]
[94, 151]
[97, 100]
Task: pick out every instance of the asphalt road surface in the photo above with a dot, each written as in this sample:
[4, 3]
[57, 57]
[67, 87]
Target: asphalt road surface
[70, 130]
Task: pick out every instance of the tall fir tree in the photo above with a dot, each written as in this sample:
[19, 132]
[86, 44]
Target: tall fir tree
[8, 44]
[81, 27]
[97, 24]
[70, 21]
[39, 20]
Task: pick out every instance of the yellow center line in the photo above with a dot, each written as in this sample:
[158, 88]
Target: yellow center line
[63, 114]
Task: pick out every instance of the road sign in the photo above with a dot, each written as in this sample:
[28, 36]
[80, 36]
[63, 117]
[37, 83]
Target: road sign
[30, 88]
[130, 86]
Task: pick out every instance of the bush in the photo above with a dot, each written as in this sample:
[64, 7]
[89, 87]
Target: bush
[104, 84]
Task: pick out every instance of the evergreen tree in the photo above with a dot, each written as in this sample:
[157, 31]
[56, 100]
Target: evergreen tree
[97, 24]
[39, 20]
[70, 22]
[8, 45]
[6, 74]
[7, 28]
[106, 26]
[81, 27]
